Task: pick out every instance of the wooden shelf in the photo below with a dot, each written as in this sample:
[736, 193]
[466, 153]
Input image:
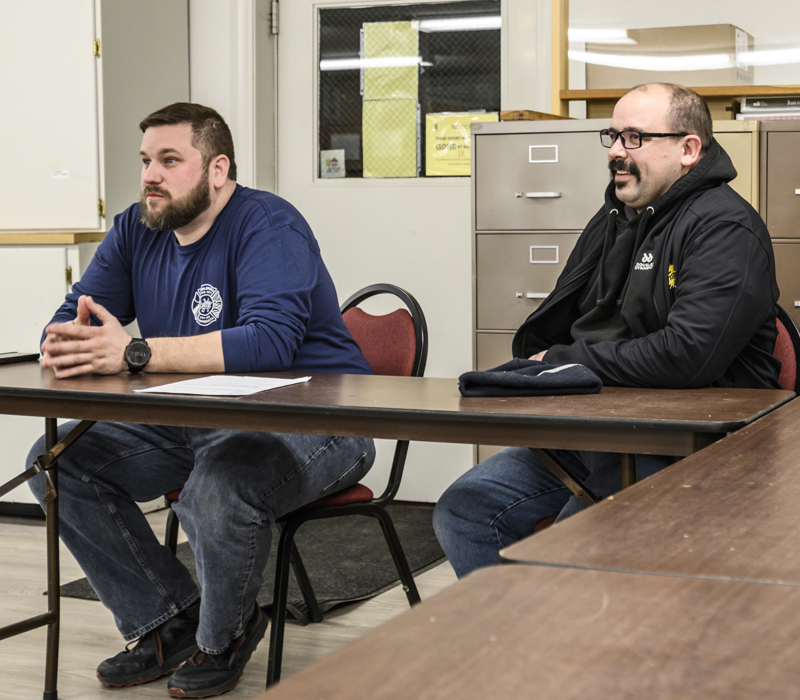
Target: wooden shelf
[712, 91]
[50, 238]
[721, 99]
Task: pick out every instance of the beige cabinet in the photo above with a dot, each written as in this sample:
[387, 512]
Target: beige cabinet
[740, 140]
[535, 185]
[780, 205]
[530, 182]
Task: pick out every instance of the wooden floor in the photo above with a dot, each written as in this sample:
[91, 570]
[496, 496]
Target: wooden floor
[88, 634]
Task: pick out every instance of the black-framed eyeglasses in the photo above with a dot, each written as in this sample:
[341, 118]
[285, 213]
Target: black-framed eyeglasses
[630, 139]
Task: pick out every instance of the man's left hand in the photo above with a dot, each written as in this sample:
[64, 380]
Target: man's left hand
[77, 347]
[539, 356]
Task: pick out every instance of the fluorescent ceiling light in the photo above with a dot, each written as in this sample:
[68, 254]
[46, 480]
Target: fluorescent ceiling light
[712, 61]
[359, 63]
[600, 36]
[460, 24]
[769, 57]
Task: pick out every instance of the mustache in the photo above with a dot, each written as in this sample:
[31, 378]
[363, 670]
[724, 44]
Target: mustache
[152, 189]
[620, 164]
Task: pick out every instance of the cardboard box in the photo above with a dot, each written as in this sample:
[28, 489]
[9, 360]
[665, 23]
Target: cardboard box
[672, 44]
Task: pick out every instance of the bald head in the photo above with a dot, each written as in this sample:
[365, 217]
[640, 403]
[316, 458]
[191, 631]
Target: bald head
[685, 110]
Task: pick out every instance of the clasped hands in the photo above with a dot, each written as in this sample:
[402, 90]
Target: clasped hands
[77, 347]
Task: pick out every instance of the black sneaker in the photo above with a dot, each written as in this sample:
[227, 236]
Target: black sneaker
[206, 674]
[155, 654]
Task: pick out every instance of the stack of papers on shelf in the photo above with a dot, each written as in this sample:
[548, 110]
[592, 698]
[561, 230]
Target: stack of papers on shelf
[770, 107]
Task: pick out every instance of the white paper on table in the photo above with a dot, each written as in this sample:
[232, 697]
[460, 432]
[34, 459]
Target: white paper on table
[222, 385]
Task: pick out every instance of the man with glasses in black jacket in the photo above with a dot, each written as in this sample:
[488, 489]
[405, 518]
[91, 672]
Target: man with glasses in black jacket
[671, 285]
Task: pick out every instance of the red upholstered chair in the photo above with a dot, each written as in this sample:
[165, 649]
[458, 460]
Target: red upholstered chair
[787, 350]
[393, 344]
[396, 344]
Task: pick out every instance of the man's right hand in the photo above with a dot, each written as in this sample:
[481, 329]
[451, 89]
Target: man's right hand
[77, 347]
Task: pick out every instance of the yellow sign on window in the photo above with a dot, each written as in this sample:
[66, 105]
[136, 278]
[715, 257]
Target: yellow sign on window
[448, 141]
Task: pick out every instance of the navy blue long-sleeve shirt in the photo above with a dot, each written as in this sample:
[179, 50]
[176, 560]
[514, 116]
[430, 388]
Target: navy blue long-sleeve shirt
[256, 275]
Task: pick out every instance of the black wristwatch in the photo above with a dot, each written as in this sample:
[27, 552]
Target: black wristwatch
[137, 355]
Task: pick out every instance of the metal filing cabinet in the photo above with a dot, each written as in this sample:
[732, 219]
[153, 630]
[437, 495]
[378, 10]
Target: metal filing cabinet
[780, 205]
[535, 185]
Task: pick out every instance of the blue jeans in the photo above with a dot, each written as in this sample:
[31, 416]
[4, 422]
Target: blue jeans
[235, 484]
[500, 501]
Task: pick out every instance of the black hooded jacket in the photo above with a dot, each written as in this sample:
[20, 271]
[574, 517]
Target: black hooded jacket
[700, 299]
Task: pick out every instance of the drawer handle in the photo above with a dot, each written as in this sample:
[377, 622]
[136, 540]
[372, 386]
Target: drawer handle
[542, 195]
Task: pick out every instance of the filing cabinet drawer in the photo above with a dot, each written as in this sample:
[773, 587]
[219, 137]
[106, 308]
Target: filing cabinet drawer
[514, 273]
[787, 270]
[538, 180]
[492, 349]
[782, 210]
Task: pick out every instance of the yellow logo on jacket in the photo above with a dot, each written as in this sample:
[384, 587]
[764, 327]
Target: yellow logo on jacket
[671, 276]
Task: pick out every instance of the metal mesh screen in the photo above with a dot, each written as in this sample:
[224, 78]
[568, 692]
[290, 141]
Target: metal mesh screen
[399, 85]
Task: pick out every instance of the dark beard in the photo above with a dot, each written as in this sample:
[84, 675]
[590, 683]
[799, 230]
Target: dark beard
[619, 164]
[175, 214]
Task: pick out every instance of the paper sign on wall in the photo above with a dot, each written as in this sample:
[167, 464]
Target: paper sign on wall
[448, 141]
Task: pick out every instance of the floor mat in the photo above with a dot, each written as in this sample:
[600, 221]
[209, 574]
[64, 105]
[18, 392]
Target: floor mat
[347, 559]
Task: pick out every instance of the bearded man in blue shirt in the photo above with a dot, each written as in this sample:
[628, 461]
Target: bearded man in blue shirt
[220, 278]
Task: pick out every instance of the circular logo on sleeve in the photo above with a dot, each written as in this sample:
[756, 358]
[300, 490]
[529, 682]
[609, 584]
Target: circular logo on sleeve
[206, 305]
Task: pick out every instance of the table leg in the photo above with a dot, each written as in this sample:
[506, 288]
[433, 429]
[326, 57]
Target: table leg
[628, 470]
[572, 482]
[53, 570]
[47, 463]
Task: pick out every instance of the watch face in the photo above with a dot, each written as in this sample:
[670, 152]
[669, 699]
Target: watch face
[137, 354]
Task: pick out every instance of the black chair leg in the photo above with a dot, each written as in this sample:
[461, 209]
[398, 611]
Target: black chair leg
[399, 557]
[279, 597]
[171, 533]
[300, 574]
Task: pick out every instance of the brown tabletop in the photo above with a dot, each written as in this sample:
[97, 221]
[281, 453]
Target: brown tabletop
[654, 421]
[731, 511]
[516, 632]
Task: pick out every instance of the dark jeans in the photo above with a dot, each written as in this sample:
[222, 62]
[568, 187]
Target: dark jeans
[235, 484]
[500, 501]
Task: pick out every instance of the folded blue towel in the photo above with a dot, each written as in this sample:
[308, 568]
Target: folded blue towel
[530, 378]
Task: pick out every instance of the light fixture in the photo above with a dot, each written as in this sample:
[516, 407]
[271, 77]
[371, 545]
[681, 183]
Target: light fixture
[460, 24]
[359, 63]
[711, 61]
[769, 57]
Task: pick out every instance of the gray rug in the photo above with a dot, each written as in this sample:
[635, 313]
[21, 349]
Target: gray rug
[347, 559]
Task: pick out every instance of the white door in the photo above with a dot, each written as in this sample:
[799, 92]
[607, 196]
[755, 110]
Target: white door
[49, 88]
[414, 233]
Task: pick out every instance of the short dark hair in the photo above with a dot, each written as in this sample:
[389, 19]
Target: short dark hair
[687, 112]
[210, 134]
